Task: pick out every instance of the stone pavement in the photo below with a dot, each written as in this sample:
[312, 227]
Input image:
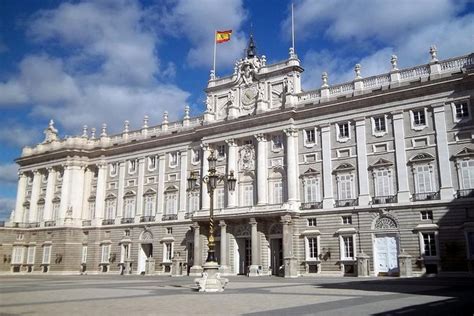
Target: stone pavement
[160, 295]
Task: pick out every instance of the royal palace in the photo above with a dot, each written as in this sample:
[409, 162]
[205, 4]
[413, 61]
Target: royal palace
[370, 177]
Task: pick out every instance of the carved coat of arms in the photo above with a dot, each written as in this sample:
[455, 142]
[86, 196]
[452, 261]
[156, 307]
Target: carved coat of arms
[247, 158]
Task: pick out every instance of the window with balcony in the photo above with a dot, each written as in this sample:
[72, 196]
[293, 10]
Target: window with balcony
[193, 202]
[424, 184]
[46, 254]
[219, 198]
[171, 203]
[56, 206]
[247, 195]
[129, 205]
[312, 248]
[30, 259]
[467, 174]
[383, 186]
[105, 254]
[345, 186]
[17, 255]
[277, 191]
[149, 207]
[110, 205]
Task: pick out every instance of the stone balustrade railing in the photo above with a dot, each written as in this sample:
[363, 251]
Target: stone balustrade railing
[401, 76]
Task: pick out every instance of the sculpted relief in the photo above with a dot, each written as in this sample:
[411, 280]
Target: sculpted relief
[247, 158]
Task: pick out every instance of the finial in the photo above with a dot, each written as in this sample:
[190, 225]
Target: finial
[325, 77]
[145, 121]
[433, 51]
[51, 133]
[186, 112]
[251, 48]
[84, 131]
[104, 130]
[212, 75]
[357, 71]
[394, 61]
[292, 53]
[264, 60]
[93, 133]
[165, 117]
[51, 124]
[126, 125]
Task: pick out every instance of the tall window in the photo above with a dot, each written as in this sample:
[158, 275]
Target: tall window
[91, 209]
[171, 202]
[311, 190]
[152, 163]
[461, 110]
[343, 130]
[40, 214]
[423, 179]
[219, 198]
[129, 207]
[429, 244]
[309, 136]
[55, 213]
[220, 151]
[379, 124]
[345, 187]
[247, 195]
[419, 117]
[149, 205]
[84, 254]
[382, 182]
[110, 208]
[105, 254]
[173, 162]
[467, 174]
[312, 243]
[347, 243]
[168, 252]
[277, 142]
[46, 254]
[31, 255]
[277, 192]
[17, 256]
[193, 202]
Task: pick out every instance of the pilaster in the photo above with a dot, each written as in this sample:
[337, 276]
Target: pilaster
[224, 268]
[183, 183]
[262, 171]
[66, 184]
[140, 184]
[196, 269]
[292, 165]
[232, 166]
[75, 196]
[205, 199]
[87, 192]
[328, 198]
[20, 197]
[363, 175]
[400, 156]
[100, 194]
[120, 193]
[288, 256]
[161, 186]
[35, 191]
[254, 271]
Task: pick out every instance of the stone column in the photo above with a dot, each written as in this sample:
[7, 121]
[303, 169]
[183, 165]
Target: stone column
[444, 165]
[363, 175]
[224, 268]
[100, 193]
[161, 187]
[405, 264]
[183, 182]
[120, 193]
[400, 156]
[76, 192]
[328, 197]
[291, 268]
[196, 269]
[232, 166]
[35, 191]
[262, 169]
[205, 199]
[363, 265]
[254, 271]
[87, 192]
[50, 188]
[292, 164]
[66, 184]
[20, 197]
[140, 184]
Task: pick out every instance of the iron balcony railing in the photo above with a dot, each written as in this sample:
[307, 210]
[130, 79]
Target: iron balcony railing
[188, 215]
[426, 196]
[32, 225]
[170, 217]
[49, 223]
[127, 220]
[87, 223]
[108, 221]
[342, 203]
[466, 193]
[145, 219]
[311, 205]
[384, 199]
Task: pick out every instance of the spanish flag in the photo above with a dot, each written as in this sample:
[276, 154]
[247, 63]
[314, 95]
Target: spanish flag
[223, 36]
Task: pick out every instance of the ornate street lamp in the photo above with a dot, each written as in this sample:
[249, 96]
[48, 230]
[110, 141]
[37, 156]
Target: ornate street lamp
[211, 179]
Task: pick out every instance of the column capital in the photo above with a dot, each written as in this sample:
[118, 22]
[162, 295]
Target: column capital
[291, 132]
[195, 225]
[231, 142]
[252, 221]
[397, 115]
[438, 107]
[360, 121]
[183, 152]
[260, 137]
[286, 219]
[222, 223]
[205, 146]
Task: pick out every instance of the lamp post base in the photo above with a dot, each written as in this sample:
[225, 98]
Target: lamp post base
[211, 280]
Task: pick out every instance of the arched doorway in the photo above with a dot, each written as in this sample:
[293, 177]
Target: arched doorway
[145, 251]
[386, 244]
[275, 238]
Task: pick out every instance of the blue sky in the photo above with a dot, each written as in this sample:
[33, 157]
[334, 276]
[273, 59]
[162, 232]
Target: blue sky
[89, 62]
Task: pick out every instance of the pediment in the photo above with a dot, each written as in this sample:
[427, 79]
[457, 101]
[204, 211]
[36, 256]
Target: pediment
[310, 172]
[344, 167]
[172, 188]
[421, 157]
[465, 152]
[149, 192]
[129, 194]
[381, 163]
[111, 196]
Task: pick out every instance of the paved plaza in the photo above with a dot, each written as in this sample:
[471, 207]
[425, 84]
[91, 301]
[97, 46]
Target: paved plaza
[160, 295]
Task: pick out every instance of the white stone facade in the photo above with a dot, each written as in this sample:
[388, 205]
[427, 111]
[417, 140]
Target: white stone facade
[371, 167]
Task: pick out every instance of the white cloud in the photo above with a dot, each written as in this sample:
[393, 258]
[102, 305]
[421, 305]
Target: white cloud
[106, 70]
[8, 173]
[197, 20]
[6, 206]
[17, 135]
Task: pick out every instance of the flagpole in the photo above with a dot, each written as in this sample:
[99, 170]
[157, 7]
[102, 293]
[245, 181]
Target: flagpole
[292, 28]
[215, 48]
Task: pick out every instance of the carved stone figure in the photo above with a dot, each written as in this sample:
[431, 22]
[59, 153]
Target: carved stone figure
[231, 97]
[50, 133]
[208, 104]
[247, 158]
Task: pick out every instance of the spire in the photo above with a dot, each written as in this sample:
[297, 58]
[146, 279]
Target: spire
[251, 48]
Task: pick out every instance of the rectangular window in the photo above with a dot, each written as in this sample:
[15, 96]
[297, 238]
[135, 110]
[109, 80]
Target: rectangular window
[132, 166]
[46, 254]
[105, 254]
[220, 151]
[91, 209]
[312, 222]
[193, 204]
[277, 192]
[311, 190]
[312, 248]
[195, 156]
[40, 214]
[462, 110]
[310, 136]
[277, 142]
[382, 183]
[426, 215]
[113, 169]
[429, 244]
[171, 203]
[168, 252]
[129, 208]
[343, 130]
[17, 256]
[379, 124]
[345, 187]
[467, 174]
[423, 179]
[31, 255]
[348, 247]
[110, 209]
[152, 163]
[247, 195]
[347, 220]
[219, 198]
[55, 212]
[149, 205]
[84, 254]
[173, 159]
[419, 118]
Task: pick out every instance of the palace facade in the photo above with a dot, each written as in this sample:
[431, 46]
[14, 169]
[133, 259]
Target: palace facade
[369, 177]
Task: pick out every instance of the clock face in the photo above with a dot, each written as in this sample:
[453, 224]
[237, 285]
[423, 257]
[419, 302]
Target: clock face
[249, 96]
